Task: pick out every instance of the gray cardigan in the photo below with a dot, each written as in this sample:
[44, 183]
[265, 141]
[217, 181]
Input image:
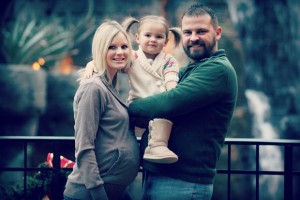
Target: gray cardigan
[106, 149]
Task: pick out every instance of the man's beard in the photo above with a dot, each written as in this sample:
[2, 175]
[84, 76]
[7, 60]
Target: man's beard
[199, 55]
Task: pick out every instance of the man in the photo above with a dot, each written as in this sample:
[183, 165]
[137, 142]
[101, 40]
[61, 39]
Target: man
[200, 107]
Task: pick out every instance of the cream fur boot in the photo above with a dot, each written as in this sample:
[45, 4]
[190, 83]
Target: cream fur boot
[157, 150]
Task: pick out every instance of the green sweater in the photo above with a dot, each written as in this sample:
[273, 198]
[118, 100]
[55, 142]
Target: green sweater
[201, 108]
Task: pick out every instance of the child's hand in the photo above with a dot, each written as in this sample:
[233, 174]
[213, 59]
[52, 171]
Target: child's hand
[90, 69]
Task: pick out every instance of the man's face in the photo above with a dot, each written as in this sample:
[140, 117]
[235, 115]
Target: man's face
[199, 38]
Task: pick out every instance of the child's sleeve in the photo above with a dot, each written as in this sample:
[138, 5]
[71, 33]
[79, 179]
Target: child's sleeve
[171, 70]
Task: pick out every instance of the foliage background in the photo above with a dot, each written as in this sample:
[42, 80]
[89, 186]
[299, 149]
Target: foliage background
[261, 39]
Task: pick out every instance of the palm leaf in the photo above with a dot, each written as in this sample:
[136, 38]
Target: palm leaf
[28, 37]
[27, 32]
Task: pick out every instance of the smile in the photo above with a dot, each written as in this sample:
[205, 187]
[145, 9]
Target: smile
[118, 59]
[196, 47]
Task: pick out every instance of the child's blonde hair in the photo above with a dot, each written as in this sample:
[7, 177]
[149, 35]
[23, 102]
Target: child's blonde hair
[128, 22]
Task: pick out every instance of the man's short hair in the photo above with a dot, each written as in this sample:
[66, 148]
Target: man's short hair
[199, 9]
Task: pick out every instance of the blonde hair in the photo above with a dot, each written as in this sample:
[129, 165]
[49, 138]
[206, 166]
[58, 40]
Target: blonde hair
[101, 41]
[129, 21]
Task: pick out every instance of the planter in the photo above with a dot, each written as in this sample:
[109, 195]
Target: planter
[22, 99]
[22, 102]
[58, 118]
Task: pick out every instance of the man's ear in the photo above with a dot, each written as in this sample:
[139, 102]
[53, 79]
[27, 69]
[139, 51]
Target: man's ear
[218, 33]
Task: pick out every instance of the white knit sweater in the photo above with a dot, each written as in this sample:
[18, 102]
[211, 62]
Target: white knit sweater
[148, 77]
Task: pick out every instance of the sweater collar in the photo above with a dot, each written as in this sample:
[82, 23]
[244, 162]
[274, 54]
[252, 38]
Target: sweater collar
[113, 90]
[151, 66]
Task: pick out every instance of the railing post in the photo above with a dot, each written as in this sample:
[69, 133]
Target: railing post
[288, 172]
[56, 170]
[229, 172]
[25, 168]
[257, 168]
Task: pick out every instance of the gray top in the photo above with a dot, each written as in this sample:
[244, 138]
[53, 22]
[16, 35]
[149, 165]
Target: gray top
[106, 149]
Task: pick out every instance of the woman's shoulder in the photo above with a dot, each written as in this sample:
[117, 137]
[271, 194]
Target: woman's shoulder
[94, 83]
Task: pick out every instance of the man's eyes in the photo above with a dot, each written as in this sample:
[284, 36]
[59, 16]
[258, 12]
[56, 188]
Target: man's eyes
[187, 32]
[199, 32]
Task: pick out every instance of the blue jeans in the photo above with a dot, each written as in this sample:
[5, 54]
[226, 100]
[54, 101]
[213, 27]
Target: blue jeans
[157, 187]
[126, 197]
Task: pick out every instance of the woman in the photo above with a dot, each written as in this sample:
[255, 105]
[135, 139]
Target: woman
[106, 150]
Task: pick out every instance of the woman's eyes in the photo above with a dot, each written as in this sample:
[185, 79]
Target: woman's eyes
[112, 47]
[124, 46]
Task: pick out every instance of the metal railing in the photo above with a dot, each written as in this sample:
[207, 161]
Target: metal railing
[58, 143]
[288, 172]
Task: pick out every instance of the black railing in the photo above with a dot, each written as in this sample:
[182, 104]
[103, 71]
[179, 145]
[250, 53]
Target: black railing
[288, 172]
[57, 146]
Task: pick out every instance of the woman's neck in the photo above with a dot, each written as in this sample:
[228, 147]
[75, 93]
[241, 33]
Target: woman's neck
[111, 75]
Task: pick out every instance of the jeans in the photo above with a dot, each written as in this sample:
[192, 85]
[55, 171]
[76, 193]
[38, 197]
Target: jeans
[157, 187]
[126, 197]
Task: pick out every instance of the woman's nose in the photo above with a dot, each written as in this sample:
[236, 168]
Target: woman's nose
[120, 51]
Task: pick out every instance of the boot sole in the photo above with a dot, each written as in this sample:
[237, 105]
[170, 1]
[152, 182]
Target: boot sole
[160, 159]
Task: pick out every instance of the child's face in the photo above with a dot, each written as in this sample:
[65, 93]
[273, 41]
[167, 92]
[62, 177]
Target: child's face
[118, 53]
[151, 38]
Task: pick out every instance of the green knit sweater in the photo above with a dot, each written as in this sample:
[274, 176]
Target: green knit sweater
[201, 108]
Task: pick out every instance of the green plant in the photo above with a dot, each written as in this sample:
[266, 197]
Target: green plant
[30, 35]
[38, 185]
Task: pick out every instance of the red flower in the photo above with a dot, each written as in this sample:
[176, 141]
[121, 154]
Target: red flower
[64, 162]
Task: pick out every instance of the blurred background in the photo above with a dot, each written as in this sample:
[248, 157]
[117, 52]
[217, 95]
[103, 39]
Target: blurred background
[43, 44]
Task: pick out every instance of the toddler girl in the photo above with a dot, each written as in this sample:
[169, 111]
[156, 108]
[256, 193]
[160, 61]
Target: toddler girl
[153, 71]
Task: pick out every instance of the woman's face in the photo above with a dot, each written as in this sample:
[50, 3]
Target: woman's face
[118, 54]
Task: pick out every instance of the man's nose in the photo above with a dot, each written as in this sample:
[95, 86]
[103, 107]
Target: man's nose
[194, 37]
